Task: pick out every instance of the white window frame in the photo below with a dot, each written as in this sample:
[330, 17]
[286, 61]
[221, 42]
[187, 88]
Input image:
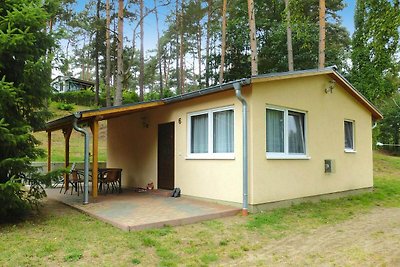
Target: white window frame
[346, 149]
[286, 154]
[210, 154]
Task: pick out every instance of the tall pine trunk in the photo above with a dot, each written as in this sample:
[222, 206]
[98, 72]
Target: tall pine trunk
[141, 66]
[177, 50]
[289, 37]
[158, 51]
[167, 66]
[97, 84]
[182, 50]
[108, 54]
[223, 43]
[120, 47]
[253, 38]
[208, 35]
[199, 53]
[321, 47]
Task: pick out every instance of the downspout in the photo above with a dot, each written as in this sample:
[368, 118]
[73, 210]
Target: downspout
[77, 115]
[238, 90]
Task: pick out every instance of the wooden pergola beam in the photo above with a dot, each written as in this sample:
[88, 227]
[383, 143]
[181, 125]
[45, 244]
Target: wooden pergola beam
[94, 126]
[67, 135]
[48, 151]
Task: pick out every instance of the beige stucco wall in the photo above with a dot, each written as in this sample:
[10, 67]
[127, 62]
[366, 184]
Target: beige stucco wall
[281, 179]
[133, 148]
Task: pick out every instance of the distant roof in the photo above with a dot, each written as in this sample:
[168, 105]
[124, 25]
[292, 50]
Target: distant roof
[73, 79]
[116, 111]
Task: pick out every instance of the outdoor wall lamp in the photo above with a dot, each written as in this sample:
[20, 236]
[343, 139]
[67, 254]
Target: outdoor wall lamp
[329, 88]
[145, 122]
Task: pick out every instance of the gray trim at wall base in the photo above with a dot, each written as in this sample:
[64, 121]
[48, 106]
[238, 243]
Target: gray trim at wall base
[254, 208]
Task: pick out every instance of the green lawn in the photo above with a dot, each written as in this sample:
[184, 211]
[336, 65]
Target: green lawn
[62, 236]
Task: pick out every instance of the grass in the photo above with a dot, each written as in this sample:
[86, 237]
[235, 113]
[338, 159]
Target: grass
[62, 236]
[76, 140]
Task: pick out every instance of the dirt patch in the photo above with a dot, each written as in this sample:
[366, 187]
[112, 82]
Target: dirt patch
[367, 240]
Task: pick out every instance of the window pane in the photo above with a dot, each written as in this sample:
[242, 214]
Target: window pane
[348, 135]
[275, 131]
[296, 132]
[223, 131]
[199, 134]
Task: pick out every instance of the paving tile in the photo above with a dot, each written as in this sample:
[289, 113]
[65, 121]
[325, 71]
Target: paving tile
[136, 211]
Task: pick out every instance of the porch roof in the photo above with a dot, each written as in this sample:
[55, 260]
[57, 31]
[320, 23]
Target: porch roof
[116, 111]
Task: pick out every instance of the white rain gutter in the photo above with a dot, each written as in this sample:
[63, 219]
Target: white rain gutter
[238, 90]
[77, 115]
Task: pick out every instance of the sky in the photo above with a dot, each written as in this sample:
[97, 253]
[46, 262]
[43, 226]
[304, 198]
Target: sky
[348, 15]
[150, 33]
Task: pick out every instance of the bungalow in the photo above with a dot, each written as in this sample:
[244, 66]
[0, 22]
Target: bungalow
[62, 84]
[254, 142]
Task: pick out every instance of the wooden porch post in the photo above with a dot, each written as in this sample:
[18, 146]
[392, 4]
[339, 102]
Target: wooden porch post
[48, 151]
[67, 134]
[95, 166]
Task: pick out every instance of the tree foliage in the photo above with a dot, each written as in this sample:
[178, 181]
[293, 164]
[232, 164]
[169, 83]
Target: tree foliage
[389, 128]
[196, 24]
[375, 59]
[24, 86]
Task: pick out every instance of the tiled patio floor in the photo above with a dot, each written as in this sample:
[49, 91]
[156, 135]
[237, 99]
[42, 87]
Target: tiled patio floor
[131, 210]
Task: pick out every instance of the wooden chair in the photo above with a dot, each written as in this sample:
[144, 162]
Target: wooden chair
[76, 182]
[110, 177]
[62, 178]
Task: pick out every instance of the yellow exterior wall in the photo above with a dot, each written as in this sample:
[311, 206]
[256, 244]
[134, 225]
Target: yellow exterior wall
[133, 148]
[282, 179]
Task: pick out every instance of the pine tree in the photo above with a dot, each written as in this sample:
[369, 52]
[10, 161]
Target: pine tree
[120, 49]
[289, 37]
[223, 42]
[253, 38]
[25, 76]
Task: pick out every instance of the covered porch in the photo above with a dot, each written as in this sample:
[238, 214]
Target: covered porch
[90, 118]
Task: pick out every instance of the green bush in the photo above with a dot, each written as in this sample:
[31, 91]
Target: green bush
[129, 97]
[82, 97]
[65, 106]
[86, 98]
[18, 196]
[13, 204]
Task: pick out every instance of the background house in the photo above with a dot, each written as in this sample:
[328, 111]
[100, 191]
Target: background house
[64, 84]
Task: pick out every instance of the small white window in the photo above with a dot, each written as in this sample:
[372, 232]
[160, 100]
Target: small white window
[211, 134]
[286, 135]
[349, 136]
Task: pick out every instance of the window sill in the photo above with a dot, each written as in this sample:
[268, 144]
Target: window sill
[280, 157]
[210, 156]
[350, 151]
